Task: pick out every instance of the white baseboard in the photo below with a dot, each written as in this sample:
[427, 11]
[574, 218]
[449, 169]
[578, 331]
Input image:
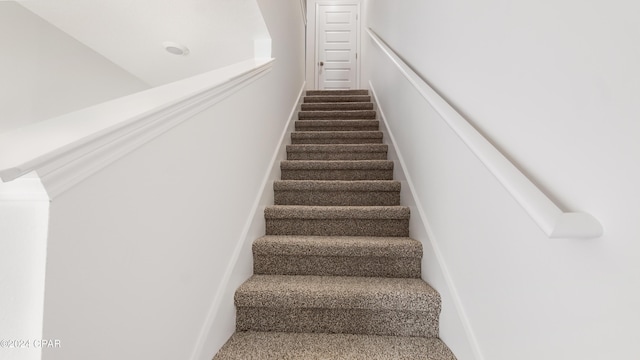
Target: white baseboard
[421, 225]
[252, 229]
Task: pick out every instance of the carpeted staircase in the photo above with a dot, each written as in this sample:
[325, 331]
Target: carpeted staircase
[336, 276]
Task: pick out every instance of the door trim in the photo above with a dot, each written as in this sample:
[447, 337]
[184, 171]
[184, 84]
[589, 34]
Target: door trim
[311, 47]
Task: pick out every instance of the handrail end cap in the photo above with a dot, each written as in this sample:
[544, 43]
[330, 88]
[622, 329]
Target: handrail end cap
[576, 225]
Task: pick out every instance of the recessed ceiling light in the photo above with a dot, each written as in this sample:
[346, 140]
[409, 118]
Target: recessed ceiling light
[175, 48]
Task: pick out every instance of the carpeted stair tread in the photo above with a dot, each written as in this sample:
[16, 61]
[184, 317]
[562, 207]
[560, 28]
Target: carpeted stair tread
[337, 106]
[337, 185]
[338, 304]
[336, 212]
[352, 246]
[336, 137]
[337, 114]
[337, 192]
[338, 256]
[338, 321]
[336, 164]
[337, 98]
[336, 276]
[305, 346]
[336, 170]
[337, 152]
[381, 221]
[337, 292]
[337, 92]
[337, 148]
[337, 125]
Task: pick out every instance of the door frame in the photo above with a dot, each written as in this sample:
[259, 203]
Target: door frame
[311, 46]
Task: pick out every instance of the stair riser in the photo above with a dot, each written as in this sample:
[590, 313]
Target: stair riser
[294, 346]
[337, 152]
[337, 198]
[337, 125]
[339, 99]
[341, 321]
[335, 140]
[337, 156]
[337, 174]
[337, 115]
[338, 227]
[365, 266]
[336, 106]
[337, 92]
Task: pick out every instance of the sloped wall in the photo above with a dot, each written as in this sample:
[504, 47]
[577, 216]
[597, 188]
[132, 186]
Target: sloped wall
[554, 86]
[286, 28]
[139, 253]
[131, 33]
[46, 73]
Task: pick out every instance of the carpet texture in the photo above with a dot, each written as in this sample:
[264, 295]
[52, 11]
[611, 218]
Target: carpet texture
[336, 276]
[337, 152]
[337, 256]
[295, 346]
[336, 137]
[337, 193]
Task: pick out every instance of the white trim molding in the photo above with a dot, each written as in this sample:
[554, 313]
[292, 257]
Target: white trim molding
[414, 200]
[553, 221]
[254, 225]
[66, 150]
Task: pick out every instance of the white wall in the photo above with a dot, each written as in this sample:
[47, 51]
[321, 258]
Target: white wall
[131, 33]
[46, 73]
[145, 255]
[286, 28]
[137, 252]
[554, 87]
[24, 209]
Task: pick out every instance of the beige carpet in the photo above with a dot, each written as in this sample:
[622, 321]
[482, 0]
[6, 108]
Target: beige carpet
[336, 275]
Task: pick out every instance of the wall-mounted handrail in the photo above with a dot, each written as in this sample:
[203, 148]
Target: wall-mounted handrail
[134, 119]
[549, 217]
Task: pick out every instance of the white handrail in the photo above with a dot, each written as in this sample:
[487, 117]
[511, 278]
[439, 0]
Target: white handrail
[53, 144]
[549, 217]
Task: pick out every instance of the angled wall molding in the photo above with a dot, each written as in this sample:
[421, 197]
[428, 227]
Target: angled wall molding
[68, 149]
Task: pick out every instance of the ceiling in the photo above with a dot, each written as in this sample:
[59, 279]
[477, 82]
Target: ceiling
[131, 33]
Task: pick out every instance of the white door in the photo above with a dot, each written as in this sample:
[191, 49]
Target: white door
[337, 44]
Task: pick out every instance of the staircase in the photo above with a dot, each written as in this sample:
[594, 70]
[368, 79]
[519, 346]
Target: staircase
[336, 276]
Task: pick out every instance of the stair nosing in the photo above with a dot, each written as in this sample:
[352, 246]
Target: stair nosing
[336, 165]
[337, 292]
[336, 111]
[376, 134]
[389, 212]
[337, 185]
[337, 121]
[338, 246]
[274, 345]
[337, 98]
[337, 91]
[338, 105]
[337, 148]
